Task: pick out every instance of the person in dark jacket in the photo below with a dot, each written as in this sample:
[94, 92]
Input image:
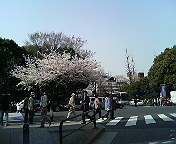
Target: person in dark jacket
[85, 107]
[4, 109]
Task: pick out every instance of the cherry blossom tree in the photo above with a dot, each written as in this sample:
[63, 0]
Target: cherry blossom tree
[56, 67]
[58, 59]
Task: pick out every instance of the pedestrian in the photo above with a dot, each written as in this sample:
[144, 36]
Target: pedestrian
[5, 107]
[18, 107]
[31, 107]
[50, 106]
[26, 109]
[97, 106]
[85, 108]
[135, 102]
[108, 107]
[113, 106]
[71, 106]
[43, 105]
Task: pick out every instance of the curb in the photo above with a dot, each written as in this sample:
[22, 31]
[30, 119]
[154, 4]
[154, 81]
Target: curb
[95, 135]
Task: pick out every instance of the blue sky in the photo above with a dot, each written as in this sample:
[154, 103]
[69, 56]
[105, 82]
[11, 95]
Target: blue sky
[144, 27]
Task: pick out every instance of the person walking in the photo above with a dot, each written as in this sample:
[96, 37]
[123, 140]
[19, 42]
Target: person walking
[72, 106]
[43, 105]
[85, 108]
[31, 108]
[108, 107]
[135, 102]
[4, 108]
[97, 106]
[18, 106]
[113, 102]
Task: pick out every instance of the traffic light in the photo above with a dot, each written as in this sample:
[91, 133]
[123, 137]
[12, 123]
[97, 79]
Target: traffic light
[113, 79]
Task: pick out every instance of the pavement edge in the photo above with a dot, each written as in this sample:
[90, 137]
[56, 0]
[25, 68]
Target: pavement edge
[96, 134]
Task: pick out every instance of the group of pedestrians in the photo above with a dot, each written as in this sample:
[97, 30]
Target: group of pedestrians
[29, 109]
[109, 107]
[97, 105]
[84, 106]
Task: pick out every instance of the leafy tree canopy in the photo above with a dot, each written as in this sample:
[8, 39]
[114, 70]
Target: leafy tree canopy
[163, 71]
[10, 55]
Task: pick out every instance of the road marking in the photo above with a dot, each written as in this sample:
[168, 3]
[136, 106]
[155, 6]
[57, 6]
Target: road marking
[100, 120]
[164, 117]
[132, 121]
[14, 117]
[114, 121]
[149, 119]
[173, 114]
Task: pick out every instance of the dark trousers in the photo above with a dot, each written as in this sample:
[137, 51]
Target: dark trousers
[86, 115]
[108, 112]
[112, 114]
[98, 110]
[26, 113]
[31, 116]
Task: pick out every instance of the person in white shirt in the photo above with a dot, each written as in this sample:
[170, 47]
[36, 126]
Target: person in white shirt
[72, 106]
[43, 105]
[18, 106]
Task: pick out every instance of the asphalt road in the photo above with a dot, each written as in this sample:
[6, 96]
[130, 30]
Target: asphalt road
[145, 125]
[138, 125]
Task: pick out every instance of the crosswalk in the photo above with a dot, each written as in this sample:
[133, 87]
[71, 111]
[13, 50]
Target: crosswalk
[15, 117]
[132, 120]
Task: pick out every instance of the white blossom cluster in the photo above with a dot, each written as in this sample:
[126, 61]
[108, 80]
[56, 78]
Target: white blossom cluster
[60, 68]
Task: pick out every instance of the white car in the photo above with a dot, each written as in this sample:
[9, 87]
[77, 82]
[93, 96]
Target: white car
[139, 102]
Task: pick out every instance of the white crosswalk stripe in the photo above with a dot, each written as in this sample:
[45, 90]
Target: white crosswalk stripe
[173, 114]
[15, 117]
[114, 121]
[149, 119]
[164, 117]
[132, 121]
[101, 120]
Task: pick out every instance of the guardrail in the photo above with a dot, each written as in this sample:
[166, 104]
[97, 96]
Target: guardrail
[64, 120]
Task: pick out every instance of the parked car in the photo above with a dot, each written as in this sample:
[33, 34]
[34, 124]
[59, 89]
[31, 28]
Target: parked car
[139, 102]
[119, 104]
[77, 103]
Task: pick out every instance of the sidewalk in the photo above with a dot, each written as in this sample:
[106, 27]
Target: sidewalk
[13, 134]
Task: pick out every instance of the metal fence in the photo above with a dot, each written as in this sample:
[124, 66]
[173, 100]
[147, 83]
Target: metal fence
[73, 117]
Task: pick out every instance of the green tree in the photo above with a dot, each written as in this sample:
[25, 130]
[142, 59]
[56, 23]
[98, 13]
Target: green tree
[163, 71]
[45, 42]
[10, 55]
